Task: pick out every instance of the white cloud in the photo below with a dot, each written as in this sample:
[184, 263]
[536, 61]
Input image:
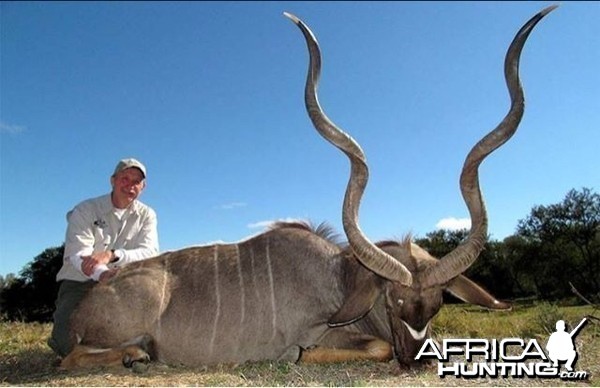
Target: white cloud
[452, 223]
[11, 129]
[266, 224]
[232, 205]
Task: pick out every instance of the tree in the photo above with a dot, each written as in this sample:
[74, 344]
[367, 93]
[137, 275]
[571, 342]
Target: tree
[515, 251]
[442, 241]
[5, 281]
[489, 270]
[564, 244]
[31, 296]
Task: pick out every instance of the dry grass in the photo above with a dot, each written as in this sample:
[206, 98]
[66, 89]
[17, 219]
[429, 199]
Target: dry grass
[26, 360]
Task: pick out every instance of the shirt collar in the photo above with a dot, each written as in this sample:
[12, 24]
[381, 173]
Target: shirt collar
[107, 205]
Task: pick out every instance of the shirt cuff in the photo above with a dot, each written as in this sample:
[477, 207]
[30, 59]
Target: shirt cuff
[99, 270]
[119, 254]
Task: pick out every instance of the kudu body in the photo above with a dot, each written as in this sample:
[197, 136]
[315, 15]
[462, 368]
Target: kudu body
[291, 293]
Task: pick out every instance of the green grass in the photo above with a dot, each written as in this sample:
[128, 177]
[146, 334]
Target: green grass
[522, 321]
[26, 360]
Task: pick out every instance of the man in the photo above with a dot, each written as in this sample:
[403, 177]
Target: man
[103, 234]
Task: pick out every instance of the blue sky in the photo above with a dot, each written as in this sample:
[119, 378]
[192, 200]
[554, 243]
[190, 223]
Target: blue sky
[210, 97]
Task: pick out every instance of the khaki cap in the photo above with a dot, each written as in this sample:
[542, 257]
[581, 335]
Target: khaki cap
[129, 163]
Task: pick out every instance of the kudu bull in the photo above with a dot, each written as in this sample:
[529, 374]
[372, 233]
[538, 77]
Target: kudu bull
[290, 293]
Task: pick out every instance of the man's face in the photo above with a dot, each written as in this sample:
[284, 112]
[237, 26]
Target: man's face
[128, 185]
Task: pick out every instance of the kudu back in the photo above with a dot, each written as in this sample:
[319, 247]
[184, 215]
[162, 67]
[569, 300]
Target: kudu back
[291, 293]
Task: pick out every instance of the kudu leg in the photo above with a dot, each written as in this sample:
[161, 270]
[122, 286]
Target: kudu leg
[342, 346]
[136, 350]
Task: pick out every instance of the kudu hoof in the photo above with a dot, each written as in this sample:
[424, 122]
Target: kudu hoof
[134, 355]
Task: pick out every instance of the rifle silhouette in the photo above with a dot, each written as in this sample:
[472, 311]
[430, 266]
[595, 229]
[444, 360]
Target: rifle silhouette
[573, 333]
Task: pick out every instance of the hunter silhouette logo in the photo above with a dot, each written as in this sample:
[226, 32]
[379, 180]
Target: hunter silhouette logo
[508, 357]
[561, 346]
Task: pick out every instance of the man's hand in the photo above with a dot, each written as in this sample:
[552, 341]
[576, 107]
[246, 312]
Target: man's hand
[106, 275]
[90, 262]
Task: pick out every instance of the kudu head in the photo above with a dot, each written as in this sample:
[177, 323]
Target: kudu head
[411, 280]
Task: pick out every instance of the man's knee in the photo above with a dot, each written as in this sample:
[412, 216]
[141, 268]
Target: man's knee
[59, 346]
[69, 295]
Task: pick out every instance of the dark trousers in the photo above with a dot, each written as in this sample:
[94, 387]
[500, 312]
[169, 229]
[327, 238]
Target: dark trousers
[70, 293]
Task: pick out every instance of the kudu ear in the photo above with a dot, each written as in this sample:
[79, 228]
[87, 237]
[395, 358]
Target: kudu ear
[367, 288]
[469, 292]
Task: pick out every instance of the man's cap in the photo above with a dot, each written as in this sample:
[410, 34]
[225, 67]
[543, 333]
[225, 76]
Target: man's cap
[128, 163]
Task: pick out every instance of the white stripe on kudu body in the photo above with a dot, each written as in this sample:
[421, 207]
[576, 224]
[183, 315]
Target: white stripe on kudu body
[272, 288]
[161, 308]
[218, 301]
[242, 289]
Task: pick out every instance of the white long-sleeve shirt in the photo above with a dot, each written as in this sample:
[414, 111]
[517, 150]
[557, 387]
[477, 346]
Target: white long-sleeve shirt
[95, 225]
